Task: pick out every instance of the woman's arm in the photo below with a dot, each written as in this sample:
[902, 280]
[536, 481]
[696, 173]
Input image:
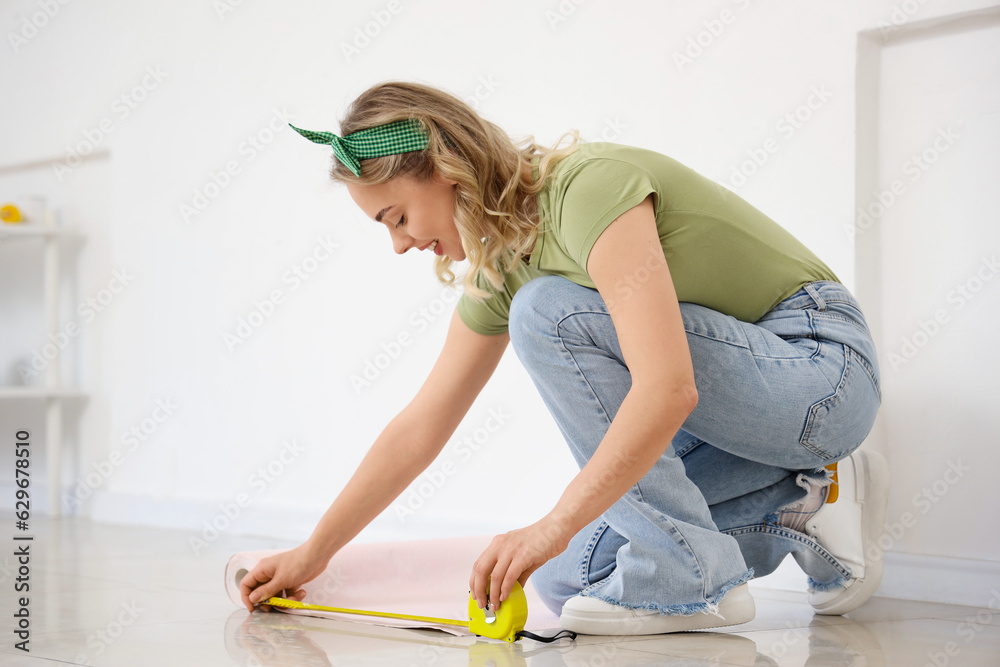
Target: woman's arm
[629, 270]
[647, 318]
[415, 436]
[407, 445]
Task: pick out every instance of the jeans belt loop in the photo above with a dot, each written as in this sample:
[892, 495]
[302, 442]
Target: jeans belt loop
[816, 296]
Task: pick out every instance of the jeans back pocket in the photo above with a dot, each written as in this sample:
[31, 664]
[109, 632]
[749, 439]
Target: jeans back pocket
[838, 423]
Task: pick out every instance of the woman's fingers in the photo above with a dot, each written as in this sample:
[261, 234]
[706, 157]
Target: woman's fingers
[281, 575]
[515, 574]
[485, 565]
[481, 577]
[260, 584]
[266, 591]
[498, 580]
[512, 557]
[490, 571]
[251, 580]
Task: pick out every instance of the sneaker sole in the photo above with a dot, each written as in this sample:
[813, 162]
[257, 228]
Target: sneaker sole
[874, 471]
[737, 607]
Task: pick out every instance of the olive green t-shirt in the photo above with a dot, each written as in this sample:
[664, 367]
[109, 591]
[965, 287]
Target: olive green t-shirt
[722, 252]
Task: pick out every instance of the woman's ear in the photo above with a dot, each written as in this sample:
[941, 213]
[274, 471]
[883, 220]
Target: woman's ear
[442, 180]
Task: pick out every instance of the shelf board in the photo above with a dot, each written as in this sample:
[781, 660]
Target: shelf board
[41, 392]
[38, 231]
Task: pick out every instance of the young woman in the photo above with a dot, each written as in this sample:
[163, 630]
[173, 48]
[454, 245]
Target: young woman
[703, 365]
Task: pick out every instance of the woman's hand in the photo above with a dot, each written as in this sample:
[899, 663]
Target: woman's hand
[514, 556]
[283, 572]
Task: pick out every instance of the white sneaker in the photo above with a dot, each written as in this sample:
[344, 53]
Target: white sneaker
[850, 528]
[590, 616]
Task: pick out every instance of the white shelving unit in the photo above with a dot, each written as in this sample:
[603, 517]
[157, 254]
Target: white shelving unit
[53, 392]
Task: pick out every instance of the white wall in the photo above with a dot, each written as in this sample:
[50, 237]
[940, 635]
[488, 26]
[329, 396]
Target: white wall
[927, 250]
[222, 77]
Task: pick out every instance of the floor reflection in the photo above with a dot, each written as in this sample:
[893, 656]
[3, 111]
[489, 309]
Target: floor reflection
[277, 640]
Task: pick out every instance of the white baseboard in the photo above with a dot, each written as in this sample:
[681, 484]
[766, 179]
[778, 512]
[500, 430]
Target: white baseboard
[913, 577]
[936, 579]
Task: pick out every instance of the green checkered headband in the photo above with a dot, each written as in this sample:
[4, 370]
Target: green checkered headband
[401, 136]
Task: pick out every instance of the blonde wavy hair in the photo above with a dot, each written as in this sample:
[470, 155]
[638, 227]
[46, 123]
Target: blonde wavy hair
[495, 209]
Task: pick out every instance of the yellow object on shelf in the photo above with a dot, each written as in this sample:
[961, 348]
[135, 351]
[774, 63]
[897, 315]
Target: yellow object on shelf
[10, 213]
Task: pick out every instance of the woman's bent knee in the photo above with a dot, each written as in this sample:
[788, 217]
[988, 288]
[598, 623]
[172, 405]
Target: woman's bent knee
[537, 307]
[527, 316]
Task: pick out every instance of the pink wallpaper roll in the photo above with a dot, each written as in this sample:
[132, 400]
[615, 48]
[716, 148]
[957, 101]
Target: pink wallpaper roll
[420, 577]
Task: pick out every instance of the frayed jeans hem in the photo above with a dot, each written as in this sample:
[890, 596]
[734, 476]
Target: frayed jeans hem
[821, 586]
[708, 606]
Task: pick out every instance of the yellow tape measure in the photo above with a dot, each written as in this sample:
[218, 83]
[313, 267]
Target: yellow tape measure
[506, 624]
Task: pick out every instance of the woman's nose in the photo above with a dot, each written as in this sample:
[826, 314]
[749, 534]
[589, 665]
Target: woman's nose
[401, 243]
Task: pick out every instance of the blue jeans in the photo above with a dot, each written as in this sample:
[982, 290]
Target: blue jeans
[777, 399]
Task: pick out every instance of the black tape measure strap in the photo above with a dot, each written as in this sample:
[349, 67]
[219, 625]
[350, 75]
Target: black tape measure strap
[547, 640]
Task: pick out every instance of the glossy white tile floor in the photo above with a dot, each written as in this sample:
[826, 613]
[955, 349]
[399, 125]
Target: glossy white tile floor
[120, 595]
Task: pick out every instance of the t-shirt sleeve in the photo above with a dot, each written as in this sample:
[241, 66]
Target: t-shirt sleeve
[490, 316]
[599, 191]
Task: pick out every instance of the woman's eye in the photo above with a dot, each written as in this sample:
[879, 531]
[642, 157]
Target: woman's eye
[401, 221]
